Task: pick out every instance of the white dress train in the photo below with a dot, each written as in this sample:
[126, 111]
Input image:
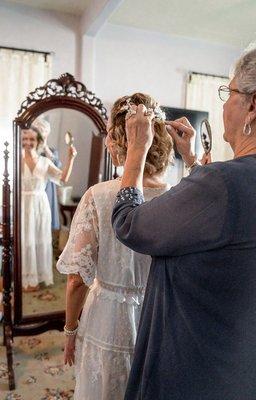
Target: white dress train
[117, 278]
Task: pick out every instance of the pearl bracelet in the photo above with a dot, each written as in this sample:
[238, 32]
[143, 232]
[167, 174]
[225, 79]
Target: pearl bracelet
[69, 332]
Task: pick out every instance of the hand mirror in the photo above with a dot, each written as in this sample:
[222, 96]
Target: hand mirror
[69, 138]
[206, 136]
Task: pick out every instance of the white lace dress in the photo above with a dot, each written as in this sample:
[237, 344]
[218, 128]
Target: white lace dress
[117, 278]
[36, 235]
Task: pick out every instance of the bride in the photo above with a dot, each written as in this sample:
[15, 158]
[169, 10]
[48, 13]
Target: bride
[102, 344]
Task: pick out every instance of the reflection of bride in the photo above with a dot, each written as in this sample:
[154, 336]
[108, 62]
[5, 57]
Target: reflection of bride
[36, 236]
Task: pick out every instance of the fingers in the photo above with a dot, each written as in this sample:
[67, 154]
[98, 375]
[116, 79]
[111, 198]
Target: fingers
[173, 133]
[183, 120]
[143, 112]
[138, 114]
[69, 359]
[72, 151]
[180, 126]
[69, 353]
[206, 159]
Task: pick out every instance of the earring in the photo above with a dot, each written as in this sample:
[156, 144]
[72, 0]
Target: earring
[247, 130]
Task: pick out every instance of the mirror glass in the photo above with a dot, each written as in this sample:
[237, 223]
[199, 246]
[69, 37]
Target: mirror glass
[48, 204]
[206, 136]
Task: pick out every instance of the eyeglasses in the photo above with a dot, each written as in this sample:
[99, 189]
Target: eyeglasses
[225, 91]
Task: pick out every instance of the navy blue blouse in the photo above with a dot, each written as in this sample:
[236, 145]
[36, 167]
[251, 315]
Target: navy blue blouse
[197, 334]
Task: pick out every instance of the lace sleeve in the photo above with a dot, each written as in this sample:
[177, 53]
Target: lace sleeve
[81, 251]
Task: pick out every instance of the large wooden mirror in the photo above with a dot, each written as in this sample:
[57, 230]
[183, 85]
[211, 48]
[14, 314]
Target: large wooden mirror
[69, 115]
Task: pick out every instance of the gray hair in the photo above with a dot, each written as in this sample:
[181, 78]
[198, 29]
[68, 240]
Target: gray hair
[245, 72]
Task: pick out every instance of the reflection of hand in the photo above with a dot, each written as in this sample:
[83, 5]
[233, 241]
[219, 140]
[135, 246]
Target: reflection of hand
[72, 153]
[206, 159]
[69, 350]
[138, 128]
[182, 133]
[44, 144]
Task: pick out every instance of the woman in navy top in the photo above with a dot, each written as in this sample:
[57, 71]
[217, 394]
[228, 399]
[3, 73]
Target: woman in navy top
[197, 334]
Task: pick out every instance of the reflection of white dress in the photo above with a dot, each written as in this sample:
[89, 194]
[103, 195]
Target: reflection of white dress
[117, 275]
[36, 237]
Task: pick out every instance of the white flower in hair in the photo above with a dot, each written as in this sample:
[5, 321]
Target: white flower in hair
[159, 114]
[127, 105]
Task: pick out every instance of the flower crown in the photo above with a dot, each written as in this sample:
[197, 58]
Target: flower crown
[159, 114]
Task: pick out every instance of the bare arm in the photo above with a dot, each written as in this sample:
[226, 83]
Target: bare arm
[78, 260]
[75, 295]
[69, 165]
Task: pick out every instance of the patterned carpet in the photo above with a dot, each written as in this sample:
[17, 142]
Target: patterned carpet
[39, 369]
[40, 373]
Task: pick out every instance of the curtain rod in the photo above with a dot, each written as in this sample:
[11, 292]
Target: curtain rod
[45, 53]
[202, 73]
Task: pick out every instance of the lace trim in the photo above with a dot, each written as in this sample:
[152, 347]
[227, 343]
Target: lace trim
[130, 194]
[105, 346]
[93, 363]
[86, 274]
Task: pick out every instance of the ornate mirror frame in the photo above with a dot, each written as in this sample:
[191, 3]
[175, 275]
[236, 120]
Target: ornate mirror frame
[64, 92]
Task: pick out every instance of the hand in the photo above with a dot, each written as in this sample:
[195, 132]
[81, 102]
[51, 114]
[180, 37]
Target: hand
[72, 153]
[206, 159]
[69, 350]
[183, 141]
[139, 130]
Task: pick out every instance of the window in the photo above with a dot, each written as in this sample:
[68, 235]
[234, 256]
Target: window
[202, 94]
[20, 73]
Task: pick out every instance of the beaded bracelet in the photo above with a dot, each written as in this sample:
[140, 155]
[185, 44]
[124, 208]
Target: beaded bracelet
[69, 332]
[194, 164]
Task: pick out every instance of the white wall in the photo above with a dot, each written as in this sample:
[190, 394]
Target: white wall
[129, 60]
[30, 28]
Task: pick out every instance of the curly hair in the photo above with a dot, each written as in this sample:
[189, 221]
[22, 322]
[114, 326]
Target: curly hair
[159, 154]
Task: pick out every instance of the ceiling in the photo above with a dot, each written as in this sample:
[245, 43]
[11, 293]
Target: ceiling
[229, 22]
[75, 7]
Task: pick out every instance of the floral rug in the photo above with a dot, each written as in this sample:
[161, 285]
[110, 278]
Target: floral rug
[40, 373]
[46, 299]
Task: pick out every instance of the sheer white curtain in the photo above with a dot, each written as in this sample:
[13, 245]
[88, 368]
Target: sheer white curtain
[20, 73]
[202, 94]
